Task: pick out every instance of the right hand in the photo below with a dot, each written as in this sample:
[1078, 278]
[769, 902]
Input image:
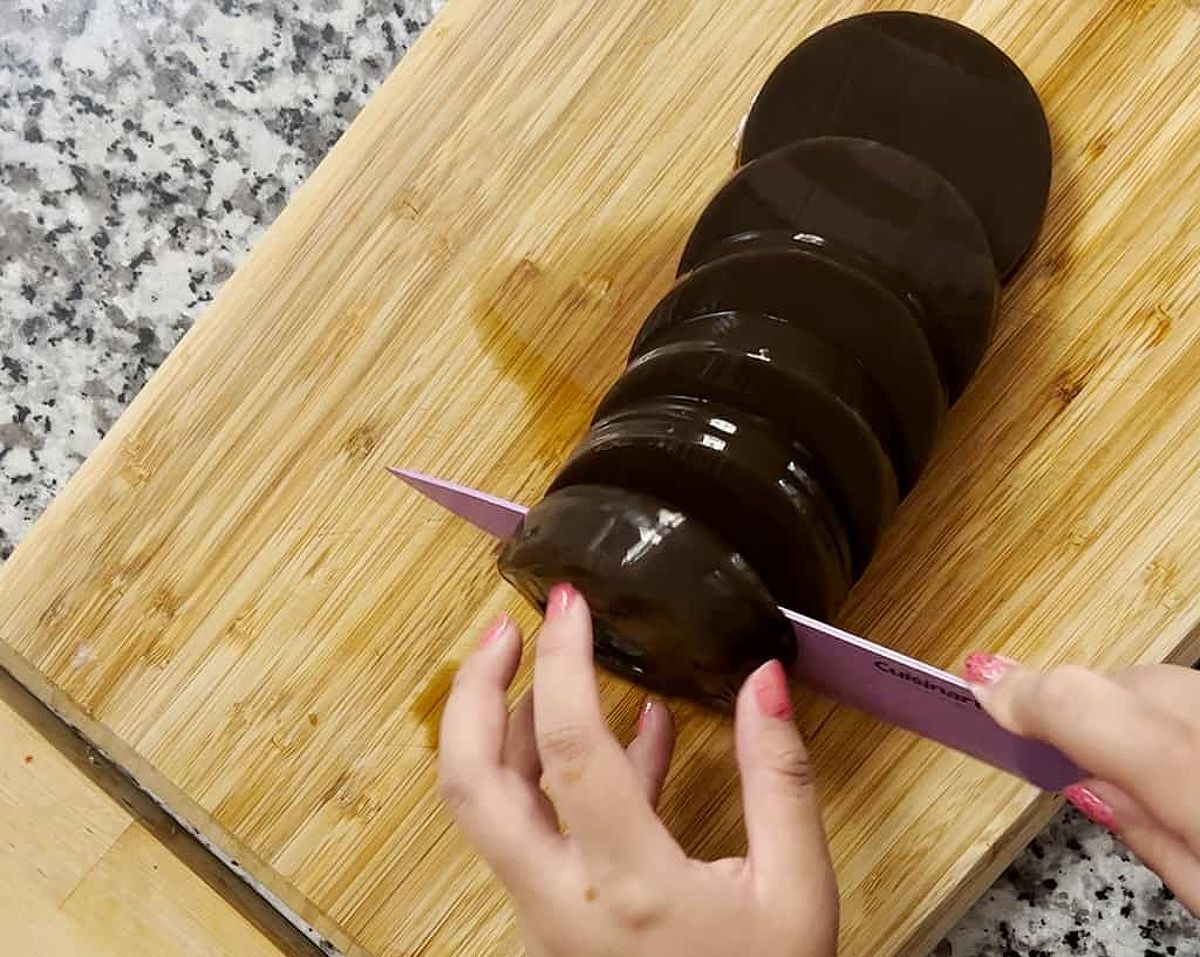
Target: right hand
[1137, 733]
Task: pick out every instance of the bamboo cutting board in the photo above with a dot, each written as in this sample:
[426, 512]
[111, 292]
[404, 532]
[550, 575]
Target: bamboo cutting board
[235, 601]
[81, 877]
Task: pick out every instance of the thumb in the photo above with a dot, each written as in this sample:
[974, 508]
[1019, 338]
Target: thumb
[783, 819]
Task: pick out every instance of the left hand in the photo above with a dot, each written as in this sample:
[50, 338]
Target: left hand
[617, 882]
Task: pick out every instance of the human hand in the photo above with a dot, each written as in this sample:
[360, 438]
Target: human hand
[617, 882]
[1137, 731]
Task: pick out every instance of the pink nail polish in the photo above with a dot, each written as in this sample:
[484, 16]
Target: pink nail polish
[771, 691]
[982, 668]
[1089, 804]
[644, 715]
[494, 630]
[561, 596]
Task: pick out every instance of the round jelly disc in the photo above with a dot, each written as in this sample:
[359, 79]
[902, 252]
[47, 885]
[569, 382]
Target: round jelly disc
[839, 305]
[674, 608]
[929, 87]
[892, 209]
[728, 470]
[808, 391]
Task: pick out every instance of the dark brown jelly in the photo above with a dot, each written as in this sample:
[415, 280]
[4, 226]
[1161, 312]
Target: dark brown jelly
[931, 88]
[733, 472]
[674, 608]
[838, 304]
[835, 294]
[896, 213]
[810, 392]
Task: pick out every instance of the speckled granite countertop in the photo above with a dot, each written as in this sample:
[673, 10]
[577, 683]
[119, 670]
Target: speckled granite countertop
[144, 147]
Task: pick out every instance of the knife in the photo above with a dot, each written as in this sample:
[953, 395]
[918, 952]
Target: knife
[893, 687]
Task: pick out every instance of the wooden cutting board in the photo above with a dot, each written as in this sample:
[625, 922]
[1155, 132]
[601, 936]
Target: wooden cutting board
[80, 876]
[235, 600]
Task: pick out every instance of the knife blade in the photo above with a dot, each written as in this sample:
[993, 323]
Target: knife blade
[872, 678]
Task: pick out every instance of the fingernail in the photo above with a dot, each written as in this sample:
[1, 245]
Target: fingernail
[644, 715]
[982, 668]
[771, 691]
[1090, 805]
[561, 596]
[494, 630]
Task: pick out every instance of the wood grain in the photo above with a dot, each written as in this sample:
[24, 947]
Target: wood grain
[235, 600]
[81, 877]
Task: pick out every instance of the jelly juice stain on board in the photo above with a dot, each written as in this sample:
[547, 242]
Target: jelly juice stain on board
[426, 707]
[527, 314]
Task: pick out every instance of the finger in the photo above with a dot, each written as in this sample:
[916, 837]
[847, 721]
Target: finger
[1168, 857]
[1116, 734]
[521, 757]
[650, 752]
[520, 748]
[783, 819]
[497, 810]
[590, 780]
[1170, 686]
[1163, 852]
[475, 719]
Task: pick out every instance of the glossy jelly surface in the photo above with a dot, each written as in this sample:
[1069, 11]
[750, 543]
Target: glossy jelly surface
[835, 296]
[893, 210]
[811, 393]
[735, 474]
[931, 88]
[840, 305]
[673, 607]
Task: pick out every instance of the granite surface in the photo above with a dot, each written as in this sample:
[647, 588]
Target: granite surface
[144, 147]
